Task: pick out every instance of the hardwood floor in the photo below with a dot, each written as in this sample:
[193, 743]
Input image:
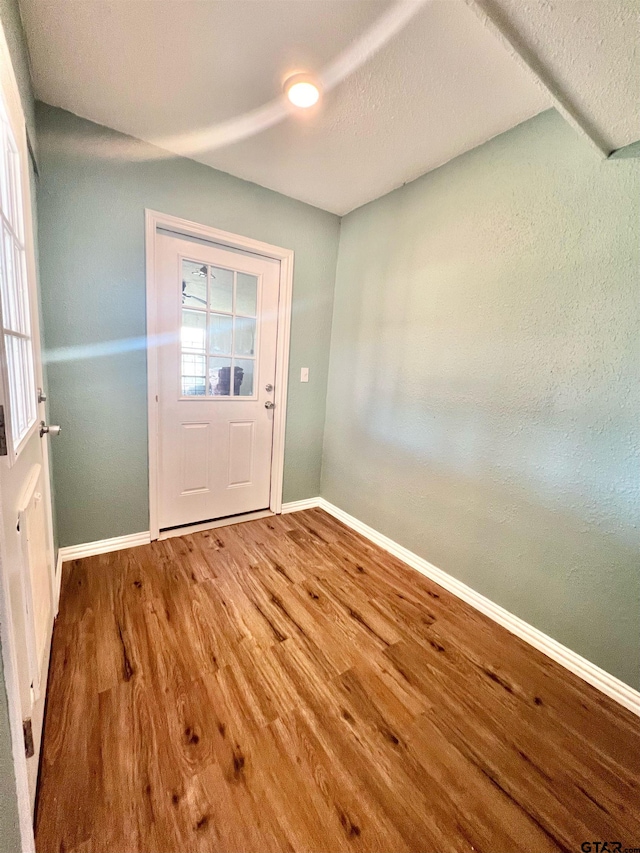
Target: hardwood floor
[284, 685]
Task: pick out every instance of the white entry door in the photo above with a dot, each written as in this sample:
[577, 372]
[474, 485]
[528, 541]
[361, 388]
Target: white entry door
[217, 313]
[27, 582]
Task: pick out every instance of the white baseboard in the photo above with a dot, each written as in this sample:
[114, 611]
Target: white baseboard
[296, 506]
[589, 672]
[103, 546]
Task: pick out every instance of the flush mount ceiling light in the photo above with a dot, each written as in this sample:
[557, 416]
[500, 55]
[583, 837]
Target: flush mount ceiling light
[302, 90]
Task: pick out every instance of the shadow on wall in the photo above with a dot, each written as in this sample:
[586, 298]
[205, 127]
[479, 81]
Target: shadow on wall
[487, 420]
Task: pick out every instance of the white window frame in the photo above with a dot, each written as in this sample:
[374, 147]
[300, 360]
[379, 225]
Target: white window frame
[12, 108]
[233, 314]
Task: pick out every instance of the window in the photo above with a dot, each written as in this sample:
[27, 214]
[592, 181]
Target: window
[16, 317]
[218, 334]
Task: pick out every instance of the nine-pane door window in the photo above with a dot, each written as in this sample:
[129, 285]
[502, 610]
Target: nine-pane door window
[16, 318]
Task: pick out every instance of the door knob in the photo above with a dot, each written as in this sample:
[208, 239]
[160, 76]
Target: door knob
[268, 387]
[269, 405]
[45, 429]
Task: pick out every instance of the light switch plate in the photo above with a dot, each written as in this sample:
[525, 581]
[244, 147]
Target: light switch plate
[304, 374]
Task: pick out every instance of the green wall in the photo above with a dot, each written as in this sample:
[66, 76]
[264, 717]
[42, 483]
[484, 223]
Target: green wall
[484, 392]
[95, 185]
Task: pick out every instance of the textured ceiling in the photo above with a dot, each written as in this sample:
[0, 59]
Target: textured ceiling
[167, 69]
[591, 51]
[408, 85]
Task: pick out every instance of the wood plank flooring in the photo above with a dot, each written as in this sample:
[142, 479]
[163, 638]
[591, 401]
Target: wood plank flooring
[285, 685]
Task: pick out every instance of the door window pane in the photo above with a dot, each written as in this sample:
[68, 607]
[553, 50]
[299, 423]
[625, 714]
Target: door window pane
[194, 326]
[193, 364]
[194, 369]
[246, 294]
[220, 334]
[243, 376]
[219, 376]
[193, 386]
[15, 189]
[194, 284]
[21, 384]
[10, 294]
[14, 286]
[20, 265]
[18, 414]
[244, 341]
[221, 290]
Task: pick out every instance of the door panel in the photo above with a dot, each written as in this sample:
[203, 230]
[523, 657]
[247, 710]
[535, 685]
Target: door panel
[195, 457]
[217, 316]
[28, 565]
[34, 535]
[241, 444]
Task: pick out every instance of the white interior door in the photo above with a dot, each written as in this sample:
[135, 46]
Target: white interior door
[27, 588]
[217, 313]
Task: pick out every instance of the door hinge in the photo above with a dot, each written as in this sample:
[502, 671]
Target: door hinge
[27, 730]
[3, 434]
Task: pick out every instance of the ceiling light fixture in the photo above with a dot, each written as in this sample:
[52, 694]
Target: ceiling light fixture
[302, 90]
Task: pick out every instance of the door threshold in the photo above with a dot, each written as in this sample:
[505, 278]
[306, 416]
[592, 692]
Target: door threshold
[170, 532]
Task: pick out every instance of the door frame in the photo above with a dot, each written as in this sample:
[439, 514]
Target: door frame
[225, 239]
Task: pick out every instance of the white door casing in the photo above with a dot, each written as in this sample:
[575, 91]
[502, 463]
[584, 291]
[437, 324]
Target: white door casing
[215, 450]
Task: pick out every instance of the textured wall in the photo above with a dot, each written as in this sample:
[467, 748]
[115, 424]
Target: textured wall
[483, 395]
[95, 184]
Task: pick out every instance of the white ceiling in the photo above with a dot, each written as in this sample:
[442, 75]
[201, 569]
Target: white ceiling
[203, 78]
[591, 51]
